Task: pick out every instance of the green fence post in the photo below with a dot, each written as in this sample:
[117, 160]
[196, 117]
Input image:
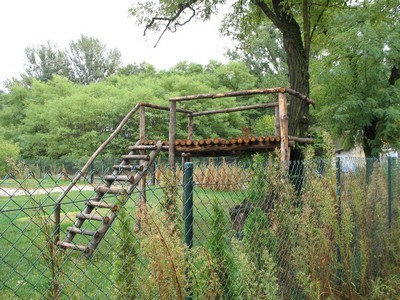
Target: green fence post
[188, 215]
[339, 212]
[339, 188]
[188, 202]
[390, 192]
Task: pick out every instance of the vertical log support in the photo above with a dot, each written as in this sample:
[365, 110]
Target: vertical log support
[142, 201]
[284, 127]
[172, 133]
[142, 123]
[190, 126]
[277, 122]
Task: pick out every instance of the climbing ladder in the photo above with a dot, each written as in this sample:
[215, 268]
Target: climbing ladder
[99, 213]
[121, 183]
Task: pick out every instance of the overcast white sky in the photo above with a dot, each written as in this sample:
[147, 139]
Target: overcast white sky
[26, 23]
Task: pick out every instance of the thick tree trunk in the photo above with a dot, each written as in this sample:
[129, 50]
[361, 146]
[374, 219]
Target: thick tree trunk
[297, 60]
[298, 110]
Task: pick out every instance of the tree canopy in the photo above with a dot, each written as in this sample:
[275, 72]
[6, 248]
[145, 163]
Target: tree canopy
[63, 119]
[86, 60]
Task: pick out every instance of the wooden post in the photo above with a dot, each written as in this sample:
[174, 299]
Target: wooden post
[142, 201]
[190, 127]
[284, 128]
[277, 122]
[142, 123]
[172, 133]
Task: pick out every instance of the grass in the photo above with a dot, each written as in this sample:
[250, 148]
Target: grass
[24, 272]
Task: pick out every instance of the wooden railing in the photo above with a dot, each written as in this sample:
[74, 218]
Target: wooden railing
[281, 118]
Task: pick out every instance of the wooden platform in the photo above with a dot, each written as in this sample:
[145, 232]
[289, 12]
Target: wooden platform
[213, 147]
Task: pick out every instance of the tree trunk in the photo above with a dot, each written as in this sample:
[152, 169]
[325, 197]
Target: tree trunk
[297, 60]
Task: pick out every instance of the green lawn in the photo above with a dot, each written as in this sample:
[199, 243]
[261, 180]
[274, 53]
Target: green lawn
[26, 275]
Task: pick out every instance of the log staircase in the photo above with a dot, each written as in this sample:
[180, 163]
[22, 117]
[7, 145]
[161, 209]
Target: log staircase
[121, 183]
[101, 210]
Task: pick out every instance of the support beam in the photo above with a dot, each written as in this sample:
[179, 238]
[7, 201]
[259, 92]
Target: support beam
[190, 127]
[172, 134]
[142, 123]
[277, 122]
[284, 128]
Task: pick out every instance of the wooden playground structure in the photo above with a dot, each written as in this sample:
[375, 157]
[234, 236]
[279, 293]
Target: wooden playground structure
[130, 174]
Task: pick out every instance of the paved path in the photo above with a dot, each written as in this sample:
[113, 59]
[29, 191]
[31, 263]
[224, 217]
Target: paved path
[7, 192]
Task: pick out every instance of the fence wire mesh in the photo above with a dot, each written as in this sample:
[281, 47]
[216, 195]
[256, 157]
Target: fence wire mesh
[256, 230]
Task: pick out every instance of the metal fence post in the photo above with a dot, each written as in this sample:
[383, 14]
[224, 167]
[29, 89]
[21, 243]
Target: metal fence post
[188, 202]
[339, 214]
[339, 188]
[390, 196]
[188, 215]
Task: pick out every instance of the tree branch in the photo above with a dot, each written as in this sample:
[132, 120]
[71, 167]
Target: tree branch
[267, 11]
[319, 19]
[171, 20]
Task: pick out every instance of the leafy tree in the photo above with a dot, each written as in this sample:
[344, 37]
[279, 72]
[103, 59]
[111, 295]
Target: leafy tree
[62, 119]
[297, 21]
[46, 60]
[8, 152]
[87, 60]
[357, 82]
[90, 61]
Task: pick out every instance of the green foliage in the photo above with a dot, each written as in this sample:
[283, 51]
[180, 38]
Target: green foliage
[86, 60]
[264, 126]
[258, 189]
[125, 269]
[165, 255]
[60, 119]
[204, 280]
[44, 61]
[357, 101]
[8, 152]
[90, 61]
[219, 246]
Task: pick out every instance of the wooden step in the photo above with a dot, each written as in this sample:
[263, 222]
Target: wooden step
[124, 178]
[142, 147]
[109, 190]
[82, 248]
[83, 231]
[94, 217]
[93, 203]
[136, 157]
[128, 168]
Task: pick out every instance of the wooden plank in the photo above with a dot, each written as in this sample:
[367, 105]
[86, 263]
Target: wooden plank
[284, 127]
[277, 122]
[190, 127]
[67, 245]
[128, 168]
[275, 90]
[234, 109]
[142, 147]
[230, 94]
[159, 107]
[135, 157]
[142, 123]
[94, 217]
[108, 190]
[172, 134]
[83, 231]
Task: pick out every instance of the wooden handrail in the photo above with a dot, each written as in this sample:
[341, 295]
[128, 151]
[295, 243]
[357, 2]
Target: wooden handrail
[275, 90]
[57, 209]
[233, 109]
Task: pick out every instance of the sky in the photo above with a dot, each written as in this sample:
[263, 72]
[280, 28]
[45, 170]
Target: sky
[25, 23]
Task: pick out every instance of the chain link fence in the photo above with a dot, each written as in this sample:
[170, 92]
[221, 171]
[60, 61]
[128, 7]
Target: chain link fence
[213, 229]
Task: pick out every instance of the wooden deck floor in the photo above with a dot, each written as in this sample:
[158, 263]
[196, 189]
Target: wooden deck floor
[212, 147]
